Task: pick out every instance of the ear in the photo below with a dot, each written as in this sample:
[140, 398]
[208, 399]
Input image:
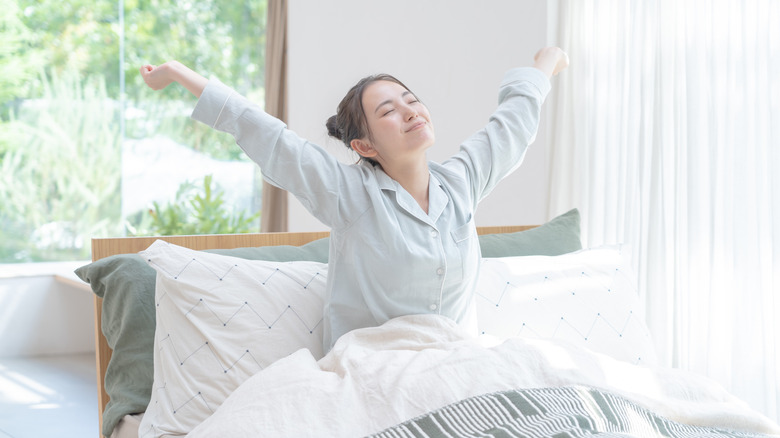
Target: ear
[363, 148]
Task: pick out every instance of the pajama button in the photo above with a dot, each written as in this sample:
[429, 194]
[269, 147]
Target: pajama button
[434, 234]
[433, 306]
[440, 271]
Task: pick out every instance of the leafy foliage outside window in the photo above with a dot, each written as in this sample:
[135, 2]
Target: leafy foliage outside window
[63, 107]
[60, 178]
[196, 210]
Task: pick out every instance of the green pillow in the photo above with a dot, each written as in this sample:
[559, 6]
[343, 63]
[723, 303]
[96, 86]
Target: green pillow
[126, 284]
[316, 251]
[559, 236]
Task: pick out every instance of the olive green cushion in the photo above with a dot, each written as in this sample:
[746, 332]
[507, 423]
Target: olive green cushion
[560, 235]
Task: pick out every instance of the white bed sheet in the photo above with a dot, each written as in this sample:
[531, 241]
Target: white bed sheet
[378, 377]
[127, 426]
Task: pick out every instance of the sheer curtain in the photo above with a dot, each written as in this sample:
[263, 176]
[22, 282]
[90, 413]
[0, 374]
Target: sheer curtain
[274, 209]
[666, 135]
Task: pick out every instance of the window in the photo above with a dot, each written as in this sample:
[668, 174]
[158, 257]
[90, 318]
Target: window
[87, 150]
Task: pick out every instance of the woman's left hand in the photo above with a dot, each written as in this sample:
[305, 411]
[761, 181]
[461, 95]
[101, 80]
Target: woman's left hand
[551, 60]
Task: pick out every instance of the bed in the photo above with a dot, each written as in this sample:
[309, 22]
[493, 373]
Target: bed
[218, 336]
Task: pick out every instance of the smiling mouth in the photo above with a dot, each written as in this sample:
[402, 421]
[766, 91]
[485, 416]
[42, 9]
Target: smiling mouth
[416, 126]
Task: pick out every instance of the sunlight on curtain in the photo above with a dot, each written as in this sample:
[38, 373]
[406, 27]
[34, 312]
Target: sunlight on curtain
[666, 135]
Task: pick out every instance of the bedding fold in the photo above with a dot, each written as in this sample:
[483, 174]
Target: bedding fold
[376, 378]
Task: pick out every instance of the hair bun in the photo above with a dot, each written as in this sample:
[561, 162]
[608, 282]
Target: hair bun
[333, 128]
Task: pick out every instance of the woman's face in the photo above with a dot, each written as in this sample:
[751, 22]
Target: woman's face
[399, 125]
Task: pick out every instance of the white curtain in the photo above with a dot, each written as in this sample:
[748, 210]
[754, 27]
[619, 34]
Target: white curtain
[666, 135]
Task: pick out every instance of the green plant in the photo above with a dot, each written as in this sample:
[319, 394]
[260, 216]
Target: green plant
[19, 62]
[224, 38]
[195, 210]
[60, 172]
[64, 111]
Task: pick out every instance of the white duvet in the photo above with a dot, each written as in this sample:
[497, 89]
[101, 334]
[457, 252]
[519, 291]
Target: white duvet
[378, 377]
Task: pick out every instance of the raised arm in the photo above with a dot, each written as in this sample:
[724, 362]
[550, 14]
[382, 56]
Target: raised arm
[495, 151]
[329, 190]
[159, 77]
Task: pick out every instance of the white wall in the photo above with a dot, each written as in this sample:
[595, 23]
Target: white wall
[451, 53]
[40, 314]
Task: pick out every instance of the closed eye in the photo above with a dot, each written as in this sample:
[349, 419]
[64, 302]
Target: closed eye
[390, 101]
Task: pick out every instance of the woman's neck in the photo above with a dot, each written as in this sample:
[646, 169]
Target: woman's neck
[414, 178]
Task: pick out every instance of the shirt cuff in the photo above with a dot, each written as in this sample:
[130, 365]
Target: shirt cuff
[528, 74]
[211, 103]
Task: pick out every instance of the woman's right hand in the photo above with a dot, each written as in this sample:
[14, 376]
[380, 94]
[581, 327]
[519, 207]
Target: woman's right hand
[159, 77]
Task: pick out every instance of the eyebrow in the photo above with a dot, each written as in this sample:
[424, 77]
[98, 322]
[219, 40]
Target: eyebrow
[405, 93]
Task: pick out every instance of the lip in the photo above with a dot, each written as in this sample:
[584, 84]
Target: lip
[416, 126]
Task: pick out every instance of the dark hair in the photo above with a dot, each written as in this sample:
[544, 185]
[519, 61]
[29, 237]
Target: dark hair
[350, 122]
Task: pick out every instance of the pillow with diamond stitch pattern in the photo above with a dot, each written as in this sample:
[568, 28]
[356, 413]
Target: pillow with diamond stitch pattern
[220, 319]
[588, 298]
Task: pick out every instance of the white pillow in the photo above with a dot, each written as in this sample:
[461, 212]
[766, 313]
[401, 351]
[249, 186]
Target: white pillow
[221, 319]
[588, 297]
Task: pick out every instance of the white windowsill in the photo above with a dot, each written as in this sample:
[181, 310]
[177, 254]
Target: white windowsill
[61, 271]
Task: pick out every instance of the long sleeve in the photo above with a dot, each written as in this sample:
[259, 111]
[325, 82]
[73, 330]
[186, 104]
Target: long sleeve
[497, 150]
[330, 190]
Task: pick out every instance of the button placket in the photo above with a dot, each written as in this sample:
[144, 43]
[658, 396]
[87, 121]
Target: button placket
[435, 303]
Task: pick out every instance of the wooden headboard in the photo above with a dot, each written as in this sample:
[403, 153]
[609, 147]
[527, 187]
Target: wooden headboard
[105, 247]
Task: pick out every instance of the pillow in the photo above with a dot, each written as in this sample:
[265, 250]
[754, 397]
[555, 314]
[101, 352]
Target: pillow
[316, 251]
[126, 284]
[220, 319]
[558, 236]
[588, 298]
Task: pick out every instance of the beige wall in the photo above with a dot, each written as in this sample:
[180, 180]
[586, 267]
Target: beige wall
[452, 53]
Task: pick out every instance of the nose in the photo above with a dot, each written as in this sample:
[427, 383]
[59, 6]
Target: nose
[410, 112]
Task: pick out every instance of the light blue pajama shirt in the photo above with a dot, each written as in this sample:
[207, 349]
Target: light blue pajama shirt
[387, 257]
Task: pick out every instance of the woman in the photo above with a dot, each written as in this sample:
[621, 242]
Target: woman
[403, 238]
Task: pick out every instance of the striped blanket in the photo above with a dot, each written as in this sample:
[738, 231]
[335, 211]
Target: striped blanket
[574, 411]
